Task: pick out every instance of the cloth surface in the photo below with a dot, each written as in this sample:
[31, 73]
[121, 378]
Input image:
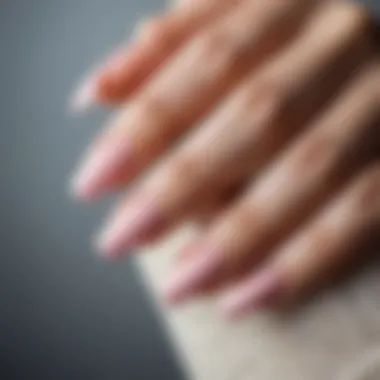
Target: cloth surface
[336, 336]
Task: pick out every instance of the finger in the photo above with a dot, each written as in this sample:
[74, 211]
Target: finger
[207, 212]
[220, 148]
[180, 94]
[313, 254]
[152, 43]
[290, 190]
[212, 284]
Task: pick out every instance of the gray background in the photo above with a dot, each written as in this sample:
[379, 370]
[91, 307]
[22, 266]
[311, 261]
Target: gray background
[64, 313]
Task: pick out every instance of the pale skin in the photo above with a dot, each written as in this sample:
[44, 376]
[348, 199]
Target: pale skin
[258, 116]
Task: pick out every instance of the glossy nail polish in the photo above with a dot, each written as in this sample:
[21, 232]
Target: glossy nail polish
[99, 167]
[129, 227]
[259, 292]
[189, 277]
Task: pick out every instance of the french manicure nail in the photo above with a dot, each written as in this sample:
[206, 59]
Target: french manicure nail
[129, 227]
[258, 292]
[192, 273]
[99, 167]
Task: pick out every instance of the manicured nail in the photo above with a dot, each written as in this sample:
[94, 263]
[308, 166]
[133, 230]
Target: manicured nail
[259, 292]
[190, 275]
[129, 227]
[99, 167]
[115, 62]
[85, 96]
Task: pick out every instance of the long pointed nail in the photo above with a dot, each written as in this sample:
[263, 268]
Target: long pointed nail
[85, 95]
[191, 274]
[259, 292]
[99, 167]
[129, 227]
[116, 61]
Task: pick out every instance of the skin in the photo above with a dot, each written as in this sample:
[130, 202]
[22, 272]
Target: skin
[258, 118]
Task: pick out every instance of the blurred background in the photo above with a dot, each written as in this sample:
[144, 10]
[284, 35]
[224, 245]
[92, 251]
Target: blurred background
[64, 313]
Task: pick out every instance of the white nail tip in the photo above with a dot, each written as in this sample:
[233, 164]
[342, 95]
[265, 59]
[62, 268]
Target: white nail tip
[84, 97]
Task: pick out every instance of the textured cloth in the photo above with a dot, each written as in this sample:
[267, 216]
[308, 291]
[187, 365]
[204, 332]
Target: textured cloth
[336, 337]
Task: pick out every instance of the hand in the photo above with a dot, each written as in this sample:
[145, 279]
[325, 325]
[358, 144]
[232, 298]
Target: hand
[264, 110]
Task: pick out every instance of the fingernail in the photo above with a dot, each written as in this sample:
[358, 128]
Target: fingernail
[85, 96]
[99, 167]
[116, 60]
[257, 293]
[191, 274]
[139, 30]
[129, 227]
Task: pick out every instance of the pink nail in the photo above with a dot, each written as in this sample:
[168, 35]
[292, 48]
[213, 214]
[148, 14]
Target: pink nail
[129, 227]
[85, 96]
[192, 273]
[258, 292]
[116, 59]
[100, 166]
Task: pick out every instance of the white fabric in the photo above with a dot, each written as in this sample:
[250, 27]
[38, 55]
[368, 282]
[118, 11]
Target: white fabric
[335, 337]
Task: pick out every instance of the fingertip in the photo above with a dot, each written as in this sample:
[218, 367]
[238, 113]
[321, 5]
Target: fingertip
[98, 169]
[190, 276]
[81, 188]
[84, 96]
[261, 291]
[105, 250]
[128, 229]
[107, 244]
[232, 307]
